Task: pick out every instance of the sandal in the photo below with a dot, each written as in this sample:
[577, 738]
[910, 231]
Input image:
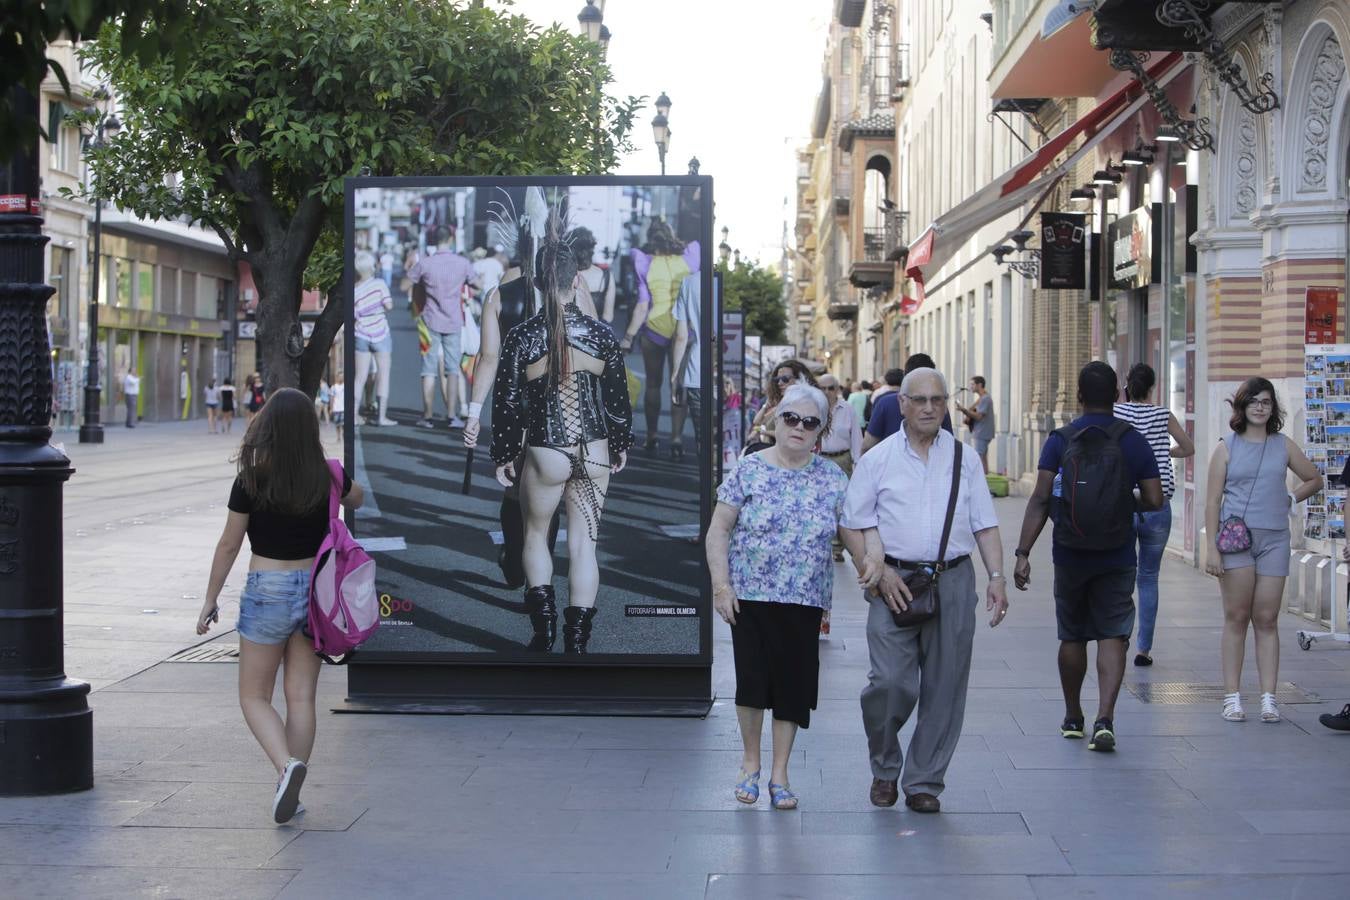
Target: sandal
[1270, 712]
[782, 797]
[747, 789]
[1232, 708]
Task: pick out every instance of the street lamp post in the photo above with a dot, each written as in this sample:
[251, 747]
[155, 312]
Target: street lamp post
[91, 430]
[724, 248]
[46, 726]
[593, 28]
[661, 128]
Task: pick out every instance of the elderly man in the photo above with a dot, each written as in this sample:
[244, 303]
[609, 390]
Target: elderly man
[893, 521]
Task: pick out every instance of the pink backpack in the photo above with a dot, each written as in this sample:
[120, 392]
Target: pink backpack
[343, 609]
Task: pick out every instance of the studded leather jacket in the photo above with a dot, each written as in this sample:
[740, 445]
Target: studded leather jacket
[584, 407]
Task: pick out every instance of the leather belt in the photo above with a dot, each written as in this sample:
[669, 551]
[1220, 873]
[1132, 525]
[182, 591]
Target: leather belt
[935, 566]
[836, 453]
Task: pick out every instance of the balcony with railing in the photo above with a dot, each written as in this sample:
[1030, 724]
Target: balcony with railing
[883, 245]
[900, 76]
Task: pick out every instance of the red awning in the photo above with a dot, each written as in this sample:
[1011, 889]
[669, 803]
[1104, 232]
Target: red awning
[941, 240]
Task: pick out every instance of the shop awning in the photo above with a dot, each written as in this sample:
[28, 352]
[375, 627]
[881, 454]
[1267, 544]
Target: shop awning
[942, 239]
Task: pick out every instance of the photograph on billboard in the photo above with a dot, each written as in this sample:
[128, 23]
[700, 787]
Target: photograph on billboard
[526, 371]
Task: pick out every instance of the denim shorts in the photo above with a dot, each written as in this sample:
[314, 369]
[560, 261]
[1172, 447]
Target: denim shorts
[384, 345]
[443, 345]
[273, 605]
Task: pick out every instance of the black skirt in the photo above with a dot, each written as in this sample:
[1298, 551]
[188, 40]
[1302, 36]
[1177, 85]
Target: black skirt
[777, 650]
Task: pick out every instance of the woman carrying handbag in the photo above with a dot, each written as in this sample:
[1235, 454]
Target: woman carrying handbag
[1247, 514]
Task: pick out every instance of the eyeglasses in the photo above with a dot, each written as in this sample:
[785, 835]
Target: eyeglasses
[935, 400]
[830, 387]
[1261, 404]
[810, 423]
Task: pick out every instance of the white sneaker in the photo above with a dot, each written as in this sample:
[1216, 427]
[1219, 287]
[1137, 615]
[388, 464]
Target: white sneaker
[287, 798]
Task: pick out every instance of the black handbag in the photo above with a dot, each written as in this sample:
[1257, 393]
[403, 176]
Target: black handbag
[922, 581]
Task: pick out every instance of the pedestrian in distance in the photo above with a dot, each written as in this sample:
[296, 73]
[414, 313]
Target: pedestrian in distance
[131, 392]
[841, 444]
[280, 500]
[1159, 427]
[1112, 476]
[227, 405]
[443, 275]
[323, 399]
[768, 550]
[374, 340]
[686, 380]
[860, 398]
[339, 405]
[1247, 515]
[254, 396]
[917, 508]
[979, 418]
[211, 397]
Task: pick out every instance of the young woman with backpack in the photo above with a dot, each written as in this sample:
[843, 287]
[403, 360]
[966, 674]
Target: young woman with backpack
[280, 499]
[1247, 517]
[1159, 427]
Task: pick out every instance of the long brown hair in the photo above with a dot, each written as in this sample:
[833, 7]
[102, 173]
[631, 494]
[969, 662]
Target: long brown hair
[1245, 394]
[798, 368]
[661, 240]
[281, 462]
[555, 273]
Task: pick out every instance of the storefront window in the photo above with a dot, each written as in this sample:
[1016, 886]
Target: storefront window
[168, 289]
[124, 298]
[145, 286]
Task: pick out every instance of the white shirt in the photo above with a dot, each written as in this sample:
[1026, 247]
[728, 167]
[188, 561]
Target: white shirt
[339, 397]
[844, 433]
[131, 385]
[490, 273]
[688, 306]
[905, 499]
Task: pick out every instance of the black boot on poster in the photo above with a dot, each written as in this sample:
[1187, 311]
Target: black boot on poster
[543, 617]
[577, 628]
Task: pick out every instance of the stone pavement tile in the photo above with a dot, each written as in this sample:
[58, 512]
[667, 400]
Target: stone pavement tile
[49, 882]
[744, 819]
[223, 805]
[127, 742]
[511, 778]
[1205, 854]
[590, 797]
[868, 887]
[255, 769]
[65, 811]
[433, 880]
[161, 710]
[1307, 821]
[956, 798]
[1143, 781]
[153, 847]
[897, 820]
[827, 854]
[1031, 800]
[1193, 887]
[1174, 721]
[186, 678]
[449, 812]
[524, 853]
[1133, 752]
[1079, 815]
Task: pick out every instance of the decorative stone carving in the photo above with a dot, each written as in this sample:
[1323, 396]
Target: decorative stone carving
[1246, 171]
[1328, 71]
[1270, 60]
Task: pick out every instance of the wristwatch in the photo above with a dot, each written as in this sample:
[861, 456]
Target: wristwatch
[1020, 552]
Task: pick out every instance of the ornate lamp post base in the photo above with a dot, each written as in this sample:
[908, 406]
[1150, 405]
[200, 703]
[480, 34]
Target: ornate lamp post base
[46, 726]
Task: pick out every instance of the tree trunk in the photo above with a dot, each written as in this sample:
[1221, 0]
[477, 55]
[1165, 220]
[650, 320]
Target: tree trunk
[315, 359]
[279, 339]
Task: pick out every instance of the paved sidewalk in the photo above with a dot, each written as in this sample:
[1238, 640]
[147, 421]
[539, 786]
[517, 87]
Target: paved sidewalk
[142, 515]
[534, 807]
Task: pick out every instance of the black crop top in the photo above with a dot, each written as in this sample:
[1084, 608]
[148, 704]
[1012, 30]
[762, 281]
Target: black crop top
[280, 536]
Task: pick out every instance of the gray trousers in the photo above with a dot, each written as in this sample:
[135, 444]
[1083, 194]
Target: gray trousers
[929, 665]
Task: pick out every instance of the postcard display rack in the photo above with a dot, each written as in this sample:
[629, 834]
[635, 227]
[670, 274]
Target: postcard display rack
[1326, 370]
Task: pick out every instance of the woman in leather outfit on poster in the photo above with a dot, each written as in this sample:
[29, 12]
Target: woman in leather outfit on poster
[561, 394]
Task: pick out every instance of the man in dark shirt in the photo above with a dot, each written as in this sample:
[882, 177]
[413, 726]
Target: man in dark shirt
[1094, 589]
[886, 418]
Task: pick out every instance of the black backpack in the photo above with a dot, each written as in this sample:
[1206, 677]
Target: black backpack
[1096, 503]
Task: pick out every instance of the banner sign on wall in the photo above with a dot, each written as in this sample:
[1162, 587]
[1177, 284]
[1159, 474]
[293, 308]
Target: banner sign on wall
[605, 505]
[1326, 369]
[1063, 251]
[1135, 251]
[1321, 308]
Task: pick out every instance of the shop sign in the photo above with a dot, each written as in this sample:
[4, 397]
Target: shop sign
[1321, 312]
[1135, 256]
[1063, 251]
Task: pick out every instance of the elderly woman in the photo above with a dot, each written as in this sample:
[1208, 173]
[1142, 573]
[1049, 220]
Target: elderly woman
[769, 555]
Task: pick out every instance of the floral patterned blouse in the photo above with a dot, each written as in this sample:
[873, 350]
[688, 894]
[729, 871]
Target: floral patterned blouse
[780, 547]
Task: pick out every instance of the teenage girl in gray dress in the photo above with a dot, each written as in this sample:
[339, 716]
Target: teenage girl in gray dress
[1247, 479]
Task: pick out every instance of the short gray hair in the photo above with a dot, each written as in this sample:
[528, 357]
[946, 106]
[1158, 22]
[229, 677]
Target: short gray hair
[800, 391]
[922, 373]
[364, 262]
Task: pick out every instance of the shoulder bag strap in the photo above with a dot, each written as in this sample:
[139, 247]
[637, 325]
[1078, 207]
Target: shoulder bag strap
[1255, 475]
[951, 504]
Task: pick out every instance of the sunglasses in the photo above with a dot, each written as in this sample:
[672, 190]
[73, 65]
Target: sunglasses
[784, 379]
[810, 423]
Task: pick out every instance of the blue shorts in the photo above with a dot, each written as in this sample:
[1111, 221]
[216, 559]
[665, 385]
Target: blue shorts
[385, 345]
[443, 345]
[273, 605]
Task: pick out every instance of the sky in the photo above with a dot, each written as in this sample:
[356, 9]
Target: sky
[742, 77]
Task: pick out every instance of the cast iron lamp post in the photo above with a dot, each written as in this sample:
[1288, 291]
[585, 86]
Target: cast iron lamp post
[661, 128]
[46, 726]
[91, 430]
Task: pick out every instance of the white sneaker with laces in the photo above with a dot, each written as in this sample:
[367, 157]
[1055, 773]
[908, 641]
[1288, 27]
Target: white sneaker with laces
[287, 798]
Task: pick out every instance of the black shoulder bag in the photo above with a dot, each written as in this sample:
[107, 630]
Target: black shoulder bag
[923, 580]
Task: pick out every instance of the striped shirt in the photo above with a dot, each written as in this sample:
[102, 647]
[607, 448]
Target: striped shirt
[1151, 422]
[371, 324]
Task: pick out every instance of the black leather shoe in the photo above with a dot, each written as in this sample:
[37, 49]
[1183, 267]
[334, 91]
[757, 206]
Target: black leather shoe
[883, 793]
[543, 617]
[577, 628]
[1337, 722]
[923, 803]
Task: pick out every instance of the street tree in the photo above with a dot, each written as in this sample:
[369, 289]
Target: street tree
[284, 99]
[28, 26]
[759, 293]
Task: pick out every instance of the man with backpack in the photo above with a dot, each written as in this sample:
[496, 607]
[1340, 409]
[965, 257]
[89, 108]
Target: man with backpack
[1095, 474]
